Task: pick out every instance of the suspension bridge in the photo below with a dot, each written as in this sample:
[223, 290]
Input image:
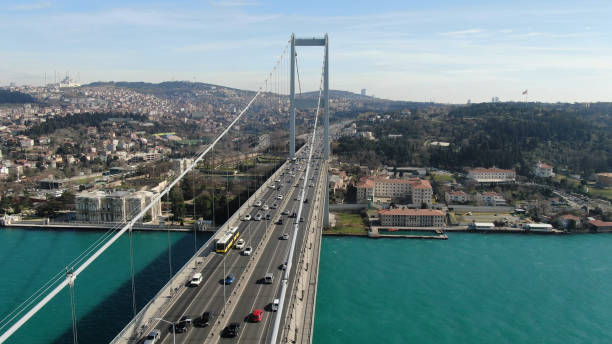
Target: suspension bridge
[280, 225]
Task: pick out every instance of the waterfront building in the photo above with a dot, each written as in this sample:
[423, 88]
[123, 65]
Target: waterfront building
[418, 190]
[601, 226]
[492, 175]
[411, 217]
[539, 227]
[117, 206]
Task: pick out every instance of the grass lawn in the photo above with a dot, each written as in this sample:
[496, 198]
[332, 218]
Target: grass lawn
[605, 193]
[442, 178]
[348, 223]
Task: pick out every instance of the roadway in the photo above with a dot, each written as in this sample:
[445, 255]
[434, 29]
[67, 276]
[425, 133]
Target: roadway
[209, 296]
[259, 295]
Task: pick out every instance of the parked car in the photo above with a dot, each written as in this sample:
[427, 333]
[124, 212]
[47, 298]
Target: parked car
[240, 244]
[231, 330]
[229, 279]
[152, 337]
[203, 321]
[247, 251]
[257, 315]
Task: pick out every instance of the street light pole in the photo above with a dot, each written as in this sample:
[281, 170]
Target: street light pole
[173, 329]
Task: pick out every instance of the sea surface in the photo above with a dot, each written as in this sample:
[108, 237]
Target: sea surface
[472, 288]
[102, 293]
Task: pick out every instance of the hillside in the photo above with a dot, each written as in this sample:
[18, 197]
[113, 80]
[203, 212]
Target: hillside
[15, 97]
[576, 137]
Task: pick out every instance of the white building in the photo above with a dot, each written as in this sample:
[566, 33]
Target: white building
[457, 196]
[490, 198]
[118, 206]
[492, 175]
[543, 170]
[411, 218]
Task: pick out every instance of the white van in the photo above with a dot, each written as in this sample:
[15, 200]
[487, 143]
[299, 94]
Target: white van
[196, 279]
[268, 278]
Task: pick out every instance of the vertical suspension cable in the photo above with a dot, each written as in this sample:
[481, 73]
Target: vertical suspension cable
[212, 180]
[195, 224]
[132, 274]
[169, 246]
[75, 336]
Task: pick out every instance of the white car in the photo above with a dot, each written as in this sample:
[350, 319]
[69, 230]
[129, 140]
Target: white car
[279, 196]
[275, 304]
[247, 251]
[285, 236]
[285, 212]
[272, 186]
[247, 217]
[265, 207]
[278, 181]
[153, 337]
[258, 217]
[257, 204]
[240, 244]
[195, 280]
[298, 198]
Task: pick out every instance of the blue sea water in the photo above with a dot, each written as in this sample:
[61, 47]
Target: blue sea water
[472, 288]
[103, 294]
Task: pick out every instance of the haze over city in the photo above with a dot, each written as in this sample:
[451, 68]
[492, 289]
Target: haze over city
[445, 51]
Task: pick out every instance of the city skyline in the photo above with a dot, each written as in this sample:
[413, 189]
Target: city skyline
[446, 52]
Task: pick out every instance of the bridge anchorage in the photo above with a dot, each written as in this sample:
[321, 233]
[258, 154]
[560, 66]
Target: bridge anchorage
[279, 274]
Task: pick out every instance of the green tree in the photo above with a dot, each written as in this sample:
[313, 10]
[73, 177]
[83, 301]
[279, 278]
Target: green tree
[177, 204]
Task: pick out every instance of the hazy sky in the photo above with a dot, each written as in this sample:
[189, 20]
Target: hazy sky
[446, 51]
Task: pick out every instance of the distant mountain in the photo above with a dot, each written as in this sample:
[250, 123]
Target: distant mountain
[15, 97]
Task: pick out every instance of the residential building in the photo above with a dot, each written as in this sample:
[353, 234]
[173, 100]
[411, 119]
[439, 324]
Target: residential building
[419, 190]
[117, 206]
[180, 165]
[492, 175]
[543, 170]
[490, 198]
[411, 218]
[457, 196]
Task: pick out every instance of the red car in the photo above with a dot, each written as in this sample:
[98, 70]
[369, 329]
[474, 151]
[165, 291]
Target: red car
[257, 315]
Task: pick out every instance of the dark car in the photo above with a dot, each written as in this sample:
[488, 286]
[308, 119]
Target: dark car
[293, 215]
[182, 326]
[229, 279]
[231, 330]
[279, 222]
[203, 321]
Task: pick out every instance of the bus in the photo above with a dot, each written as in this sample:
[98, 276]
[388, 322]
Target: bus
[227, 239]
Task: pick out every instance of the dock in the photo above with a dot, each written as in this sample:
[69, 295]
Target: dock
[439, 234]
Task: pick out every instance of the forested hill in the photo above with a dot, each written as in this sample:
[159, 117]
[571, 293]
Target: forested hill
[15, 97]
[508, 135]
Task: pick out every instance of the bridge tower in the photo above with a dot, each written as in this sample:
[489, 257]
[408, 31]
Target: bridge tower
[305, 42]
